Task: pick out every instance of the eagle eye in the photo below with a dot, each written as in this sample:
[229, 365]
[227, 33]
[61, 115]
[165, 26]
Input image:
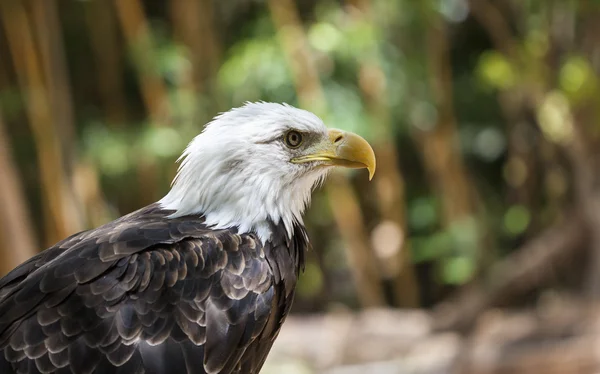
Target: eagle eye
[293, 139]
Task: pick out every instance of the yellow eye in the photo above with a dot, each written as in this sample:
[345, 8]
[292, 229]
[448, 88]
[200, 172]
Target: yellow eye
[293, 139]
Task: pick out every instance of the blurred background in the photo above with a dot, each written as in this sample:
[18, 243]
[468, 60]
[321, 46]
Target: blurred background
[475, 249]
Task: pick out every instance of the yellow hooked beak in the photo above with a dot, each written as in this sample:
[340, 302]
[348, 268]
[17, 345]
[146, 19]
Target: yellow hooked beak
[342, 149]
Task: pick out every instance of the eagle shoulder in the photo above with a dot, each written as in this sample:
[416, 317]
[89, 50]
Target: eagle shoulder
[146, 294]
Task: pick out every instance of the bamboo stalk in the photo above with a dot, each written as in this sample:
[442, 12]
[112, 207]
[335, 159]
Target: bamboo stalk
[293, 41]
[16, 232]
[192, 18]
[61, 217]
[47, 33]
[342, 198]
[185, 16]
[87, 186]
[104, 39]
[137, 33]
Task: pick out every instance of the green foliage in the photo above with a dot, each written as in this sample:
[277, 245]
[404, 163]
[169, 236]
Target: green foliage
[118, 152]
[108, 149]
[162, 142]
[577, 79]
[455, 248]
[516, 220]
[256, 69]
[458, 269]
[422, 214]
[11, 103]
[514, 113]
[325, 37]
[496, 71]
[555, 118]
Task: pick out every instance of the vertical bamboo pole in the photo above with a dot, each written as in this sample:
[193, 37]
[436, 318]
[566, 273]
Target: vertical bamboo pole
[194, 27]
[108, 56]
[137, 33]
[16, 233]
[47, 33]
[61, 217]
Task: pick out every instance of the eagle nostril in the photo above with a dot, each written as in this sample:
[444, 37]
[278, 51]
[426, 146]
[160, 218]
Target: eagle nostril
[338, 139]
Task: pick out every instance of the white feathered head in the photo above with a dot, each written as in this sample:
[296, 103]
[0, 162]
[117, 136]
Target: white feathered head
[260, 162]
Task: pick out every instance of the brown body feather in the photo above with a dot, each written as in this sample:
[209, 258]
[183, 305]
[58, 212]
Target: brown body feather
[149, 294]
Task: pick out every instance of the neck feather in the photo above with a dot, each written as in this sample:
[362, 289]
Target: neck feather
[247, 201]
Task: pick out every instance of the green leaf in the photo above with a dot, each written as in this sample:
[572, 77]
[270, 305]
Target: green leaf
[577, 78]
[458, 270]
[422, 213]
[516, 219]
[496, 71]
[162, 142]
[324, 36]
[432, 247]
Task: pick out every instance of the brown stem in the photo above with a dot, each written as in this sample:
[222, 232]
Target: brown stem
[190, 19]
[46, 24]
[104, 39]
[137, 33]
[298, 55]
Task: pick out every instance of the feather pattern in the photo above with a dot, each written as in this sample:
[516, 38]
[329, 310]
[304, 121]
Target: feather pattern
[150, 294]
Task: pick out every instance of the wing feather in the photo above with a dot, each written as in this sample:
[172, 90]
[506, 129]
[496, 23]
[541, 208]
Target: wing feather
[143, 294]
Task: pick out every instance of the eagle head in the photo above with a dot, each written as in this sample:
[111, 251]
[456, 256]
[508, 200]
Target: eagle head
[258, 164]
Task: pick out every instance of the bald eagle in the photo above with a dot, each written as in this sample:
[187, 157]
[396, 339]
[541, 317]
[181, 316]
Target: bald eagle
[198, 282]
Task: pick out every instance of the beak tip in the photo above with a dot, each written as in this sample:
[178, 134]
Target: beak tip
[371, 172]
